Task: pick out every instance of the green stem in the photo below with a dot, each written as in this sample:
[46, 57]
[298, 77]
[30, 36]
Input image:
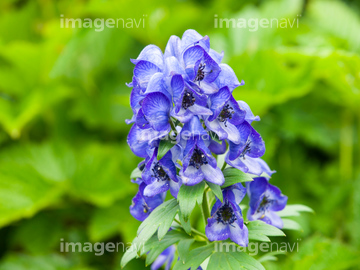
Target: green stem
[224, 166]
[194, 231]
[205, 208]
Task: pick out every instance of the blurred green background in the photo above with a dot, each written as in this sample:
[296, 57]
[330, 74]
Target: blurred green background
[64, 161]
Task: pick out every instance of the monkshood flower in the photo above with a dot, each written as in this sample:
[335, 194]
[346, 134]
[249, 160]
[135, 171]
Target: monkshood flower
[187, 102]
[265, 200]
[149, 62]
[226, 219]
[141, 141]
[152, 123]
[190, 58]
[226, 116]
[142, 206]
[160, 175]
[249, 116]
[245, 155]
[198, 162]
[199, 65]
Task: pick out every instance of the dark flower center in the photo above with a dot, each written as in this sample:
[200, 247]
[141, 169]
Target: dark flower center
[226, 114]
[188, 100]
[264, 205]
[200, 75]
[226, 214]
[246, 149]
[198, 158]
[159, 173]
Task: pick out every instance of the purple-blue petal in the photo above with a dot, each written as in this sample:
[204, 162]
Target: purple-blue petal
[151, 53]
[143, 72]
[156, 107]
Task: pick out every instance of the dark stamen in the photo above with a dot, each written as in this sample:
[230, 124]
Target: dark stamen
[226, 114]
[188, 100]
[200, 73]
[198, 158]
[226, 214]
[264, 205]
[159, 173]
[246, 149]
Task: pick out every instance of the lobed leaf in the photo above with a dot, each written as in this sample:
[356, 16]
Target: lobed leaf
[233, 261]
[188, 197]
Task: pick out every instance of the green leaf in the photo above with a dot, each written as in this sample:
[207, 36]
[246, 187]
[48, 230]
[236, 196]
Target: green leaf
[195, 257]
[164, 147]
[188, 197]
[290, 224]
[156, 247]
[271, 256]
[234, 176]
[37, 262]
[98, 179]
[216, 189]
[259, 230]
[183, 248]
[108, 221]
[136, 173]
[293, 210]
[160, 219]
[233, 261]
[24, 192]
[185, 224]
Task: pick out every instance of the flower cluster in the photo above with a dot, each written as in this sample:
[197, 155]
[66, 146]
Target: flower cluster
[184, 96]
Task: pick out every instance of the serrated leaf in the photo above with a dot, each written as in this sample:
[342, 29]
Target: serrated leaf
[259, 230]
[185, 224]
[234, 176]
[293, 210]
[233, 261]
[160, 219]
[136, 173]
[164, 147]
[188, 197]
[216, 189]
[183, 248]
[195, 257]
[154, 247]
[290, 224]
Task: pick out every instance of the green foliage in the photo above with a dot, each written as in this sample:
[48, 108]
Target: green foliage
[194, 257]
[188, 197]
[234, 176]
[164, 147]
[259, 230]
[233, 261]
[64, 161]
[216, 190]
